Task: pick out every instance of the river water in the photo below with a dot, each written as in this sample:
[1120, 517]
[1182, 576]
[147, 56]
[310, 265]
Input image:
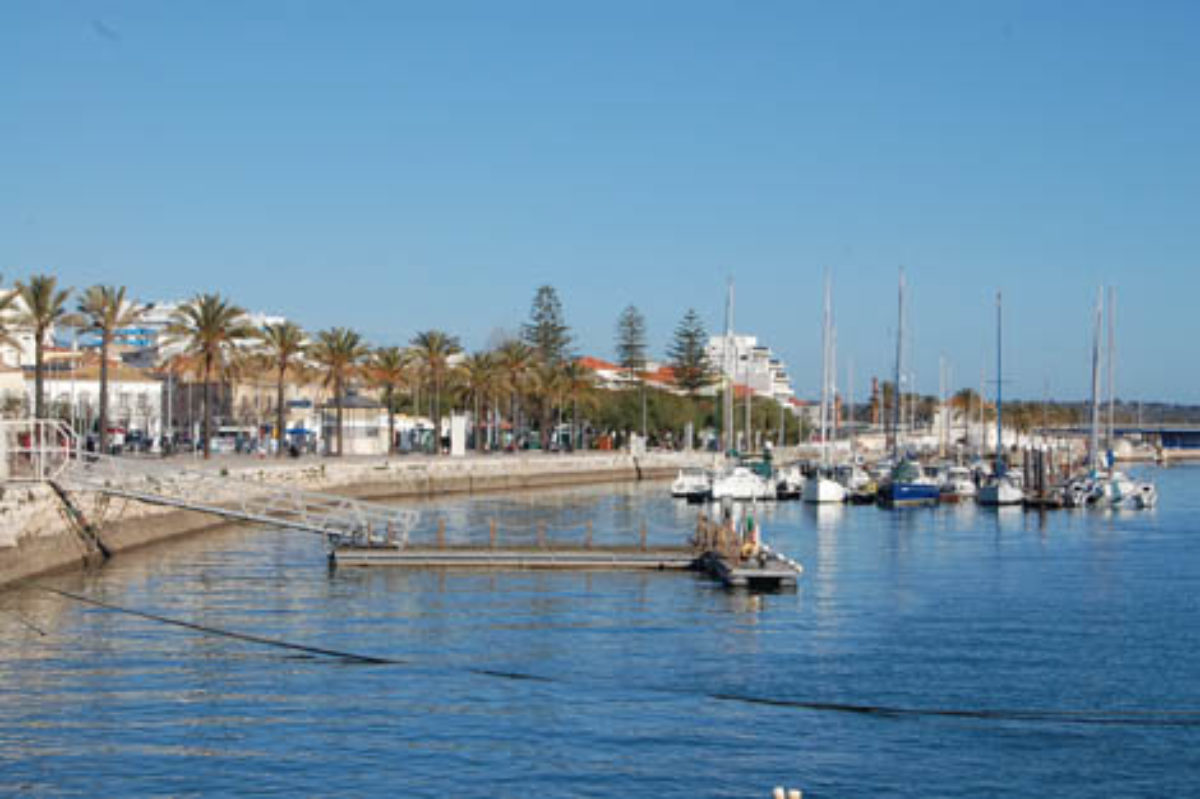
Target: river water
[1076, 632]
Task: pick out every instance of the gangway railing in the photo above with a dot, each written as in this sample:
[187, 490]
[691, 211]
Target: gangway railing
[44, 451]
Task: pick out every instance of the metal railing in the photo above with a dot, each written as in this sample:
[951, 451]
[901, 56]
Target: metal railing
[46, 450]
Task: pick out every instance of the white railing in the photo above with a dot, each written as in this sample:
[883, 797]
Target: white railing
[39, 451]
[33, 450]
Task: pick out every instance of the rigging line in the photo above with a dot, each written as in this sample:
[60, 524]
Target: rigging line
[1143, 718]
[1133, 717]
[255, 639]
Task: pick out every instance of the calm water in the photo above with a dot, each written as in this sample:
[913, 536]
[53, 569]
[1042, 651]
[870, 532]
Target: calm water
[954, 608]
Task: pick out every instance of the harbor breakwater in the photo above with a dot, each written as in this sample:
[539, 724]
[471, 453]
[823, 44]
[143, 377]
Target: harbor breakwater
[43, 529]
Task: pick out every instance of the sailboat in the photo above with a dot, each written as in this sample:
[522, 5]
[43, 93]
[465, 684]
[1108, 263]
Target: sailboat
[908, 485]
[1104, 485]
[820, 486]
[1002, 489]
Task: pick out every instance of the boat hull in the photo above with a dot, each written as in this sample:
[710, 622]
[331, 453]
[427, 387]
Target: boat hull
[822, 490]
[909, 495]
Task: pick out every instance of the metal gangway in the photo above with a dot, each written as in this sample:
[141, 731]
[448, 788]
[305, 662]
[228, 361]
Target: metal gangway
[49, 451]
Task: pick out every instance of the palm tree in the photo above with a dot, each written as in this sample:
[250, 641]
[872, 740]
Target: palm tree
[210, 327]
[105, 310]
[479, 373]
[578, 381]
[515, 360]
[433, 349]
[7, 307]
[45, 305]
[388, 370]
[548, 388]
[339, 351]
[283, 345]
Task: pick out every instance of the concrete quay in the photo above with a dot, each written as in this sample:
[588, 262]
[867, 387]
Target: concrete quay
[42, 531]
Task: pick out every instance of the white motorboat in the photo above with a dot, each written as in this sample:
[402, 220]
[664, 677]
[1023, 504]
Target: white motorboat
[741, 483]
[957, 485]
[821, 487]
[691, 482]
[789, 482]
[1002, 490]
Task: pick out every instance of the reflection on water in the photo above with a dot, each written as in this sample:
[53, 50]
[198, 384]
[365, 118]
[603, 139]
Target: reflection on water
[955, 607]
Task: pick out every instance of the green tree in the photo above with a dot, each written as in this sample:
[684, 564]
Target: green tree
[631, 352]
[104, 311]
[631, 340]
[546, 331]
[515, 360]
[387, 370]
[433, 350]
[284, 343]
[338, 351]
[480, 372]
[209, 327]
[547, 387]
[44, 306]
[578, 384]
[688, 355]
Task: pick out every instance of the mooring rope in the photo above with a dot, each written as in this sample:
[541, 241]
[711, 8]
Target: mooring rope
[202, 628]
[1119, 717]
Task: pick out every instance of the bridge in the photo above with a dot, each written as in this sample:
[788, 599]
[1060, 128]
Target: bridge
[48, 451]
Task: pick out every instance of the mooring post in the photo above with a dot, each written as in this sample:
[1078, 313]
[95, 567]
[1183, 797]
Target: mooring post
[391, 532]
[587, 535]
[441, 541]
[541, 535]
[643, 535]
[492, 533]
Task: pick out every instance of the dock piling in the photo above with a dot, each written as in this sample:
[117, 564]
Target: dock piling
[492, 533]
[587, 535]
[441, 534]
[541, 535]
[643, 535]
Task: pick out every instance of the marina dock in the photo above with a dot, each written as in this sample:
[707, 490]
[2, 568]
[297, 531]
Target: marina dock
[717, 550]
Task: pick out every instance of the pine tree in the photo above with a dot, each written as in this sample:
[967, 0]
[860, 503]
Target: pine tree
[546, 332]
[631, 340]
[688, 356]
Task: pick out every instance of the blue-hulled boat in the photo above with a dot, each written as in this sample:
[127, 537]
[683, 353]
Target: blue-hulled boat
[909, 487]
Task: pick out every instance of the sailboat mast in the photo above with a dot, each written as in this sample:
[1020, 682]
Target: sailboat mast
[825, 376]
[835, 421]
[942, 405]
[999, 390]
[1094, 442]
[899, 363]
[850, 409]
[1112, 346]
[730, 365]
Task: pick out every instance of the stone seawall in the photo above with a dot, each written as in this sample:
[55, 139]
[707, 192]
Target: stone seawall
[40, 533]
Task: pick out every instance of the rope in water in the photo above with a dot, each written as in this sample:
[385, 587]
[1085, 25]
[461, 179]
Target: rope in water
[1130, 717]
[201, 628]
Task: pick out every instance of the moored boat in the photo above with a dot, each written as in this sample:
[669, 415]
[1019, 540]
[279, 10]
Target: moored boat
[909, 487]
[691, 482]
[741, 483]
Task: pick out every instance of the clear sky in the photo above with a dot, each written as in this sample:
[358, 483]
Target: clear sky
[395, 167]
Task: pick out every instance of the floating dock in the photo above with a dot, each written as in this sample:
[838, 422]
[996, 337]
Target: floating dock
[716, 550]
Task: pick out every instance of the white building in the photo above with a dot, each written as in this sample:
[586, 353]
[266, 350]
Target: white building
[751, 364]
[135, 397]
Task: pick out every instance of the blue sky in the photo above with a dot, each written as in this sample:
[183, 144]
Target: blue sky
[395, 167]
